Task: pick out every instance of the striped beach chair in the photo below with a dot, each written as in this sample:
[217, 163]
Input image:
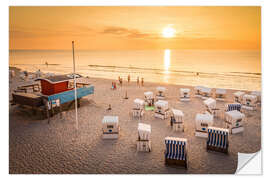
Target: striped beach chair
[233, 106]
[176, 151]
[198, 91]
[218, 139]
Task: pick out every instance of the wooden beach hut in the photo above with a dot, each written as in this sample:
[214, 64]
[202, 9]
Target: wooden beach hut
[54, 84]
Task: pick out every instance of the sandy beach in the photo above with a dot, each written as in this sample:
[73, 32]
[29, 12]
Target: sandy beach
[38, 147]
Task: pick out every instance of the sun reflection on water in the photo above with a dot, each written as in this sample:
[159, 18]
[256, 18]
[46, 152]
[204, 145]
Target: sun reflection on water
[167, 60]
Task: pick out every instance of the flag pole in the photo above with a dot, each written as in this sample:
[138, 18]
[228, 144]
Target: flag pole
[75, 86]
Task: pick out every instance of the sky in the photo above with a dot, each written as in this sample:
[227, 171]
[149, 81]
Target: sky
[127, 28]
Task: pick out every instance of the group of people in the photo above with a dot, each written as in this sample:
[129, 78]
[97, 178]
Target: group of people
[120, 80]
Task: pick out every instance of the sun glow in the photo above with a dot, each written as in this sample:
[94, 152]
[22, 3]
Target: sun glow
[168, 32]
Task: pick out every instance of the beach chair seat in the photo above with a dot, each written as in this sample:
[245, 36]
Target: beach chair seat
[110, 127]
[144, 133]
[203, 121]
[220, 94]
[238, 96]
[234, 121]
[249, 102]
[160, 93]
[176, 151]
[217, 139]
[177, 121]
[184, 94]
[162, 109]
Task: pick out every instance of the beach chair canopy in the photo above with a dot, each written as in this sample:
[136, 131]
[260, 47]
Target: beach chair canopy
[176, 148]
[162, 104]
[235, 114]
[177, 113]
[161, 89]
[206, 90]
[204, 118]
[233, 106]
[144, 131]
[218, 137]
[252, 98]
[238, 93]
[148, 95]
[198, 87]
[110, 120]
[138, 102]
[220, 91]
[256, 93]
[184, 91]
[210, 103]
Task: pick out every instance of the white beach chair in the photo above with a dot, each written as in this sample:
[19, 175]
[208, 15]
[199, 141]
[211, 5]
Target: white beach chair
[138, 108]
[206, 92]
[149, 98]
[161, 109]
[177, 121]
[258, 94]
[203, 121]
[249, 102]
[144, 140]
[210, 105]
[234, 121]
[176, 151]
[217, 139]
[238, 96]
[198, 90]
[220, 94]
[160, 93]
[110, 127]
[184, 94]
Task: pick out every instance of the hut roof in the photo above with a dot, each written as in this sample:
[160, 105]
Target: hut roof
[55, 79]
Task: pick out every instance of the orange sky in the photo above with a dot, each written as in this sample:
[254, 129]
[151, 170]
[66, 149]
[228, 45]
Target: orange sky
[110, 28]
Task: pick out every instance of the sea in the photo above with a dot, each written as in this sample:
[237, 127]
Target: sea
[230, 69]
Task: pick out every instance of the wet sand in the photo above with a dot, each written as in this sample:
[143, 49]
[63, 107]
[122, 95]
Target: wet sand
[38, 147]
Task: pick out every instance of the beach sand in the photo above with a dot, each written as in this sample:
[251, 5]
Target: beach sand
[38, 147]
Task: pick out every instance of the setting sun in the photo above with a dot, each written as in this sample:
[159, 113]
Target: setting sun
[168, 32]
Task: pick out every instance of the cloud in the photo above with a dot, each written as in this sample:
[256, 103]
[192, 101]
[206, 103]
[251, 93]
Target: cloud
[124, 32]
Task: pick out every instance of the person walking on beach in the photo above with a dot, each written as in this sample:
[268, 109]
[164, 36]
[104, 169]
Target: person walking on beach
[121, 82]
[138, 81]
[142, 81]
[128, 78]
